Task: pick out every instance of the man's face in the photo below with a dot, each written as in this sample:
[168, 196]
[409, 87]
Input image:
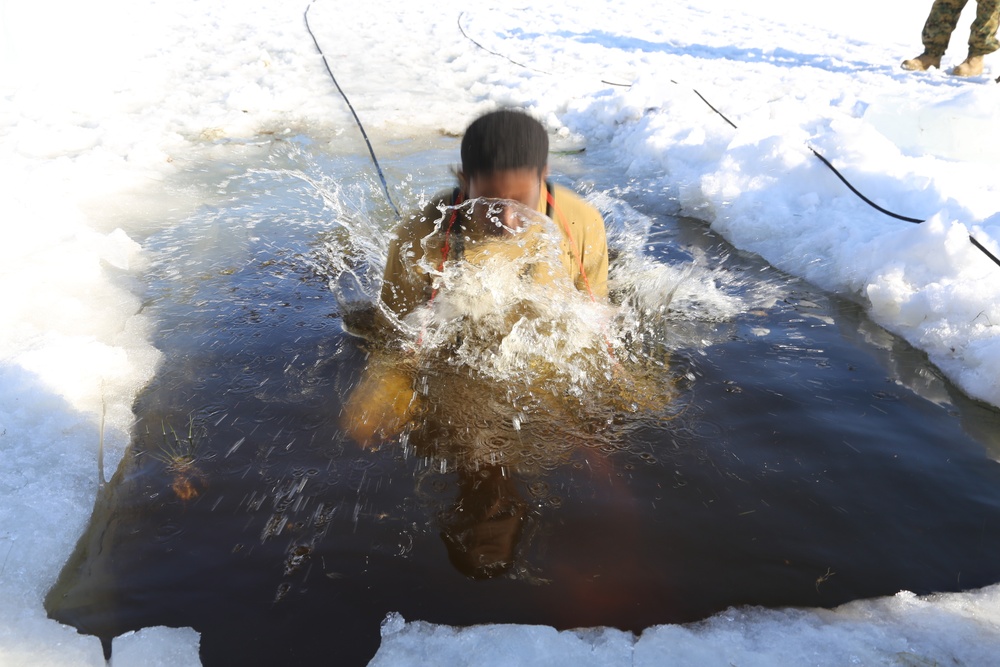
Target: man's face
[523, 186]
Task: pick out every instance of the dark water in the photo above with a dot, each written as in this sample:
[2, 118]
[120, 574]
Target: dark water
[810, 458]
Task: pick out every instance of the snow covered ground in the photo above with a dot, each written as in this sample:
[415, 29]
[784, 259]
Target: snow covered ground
[102, 103]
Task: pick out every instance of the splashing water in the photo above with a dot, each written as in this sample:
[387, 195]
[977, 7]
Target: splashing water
[509, 364]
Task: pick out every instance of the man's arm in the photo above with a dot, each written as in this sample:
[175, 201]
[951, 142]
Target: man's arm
[405, 284]
[589, 241]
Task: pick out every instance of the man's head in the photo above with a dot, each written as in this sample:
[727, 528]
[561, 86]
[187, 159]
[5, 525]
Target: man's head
[505, 156]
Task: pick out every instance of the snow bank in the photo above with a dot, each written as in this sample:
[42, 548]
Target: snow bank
[905, 629]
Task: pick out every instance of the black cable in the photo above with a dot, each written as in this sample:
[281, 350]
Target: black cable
[855, 191]
[858, 192]
[371, 151]
[507, 58]
[987, 252]
[713, 108]
[511, 60]
[890, 213]
[733, 125]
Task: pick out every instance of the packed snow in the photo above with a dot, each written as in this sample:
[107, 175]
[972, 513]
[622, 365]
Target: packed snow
[104, 102]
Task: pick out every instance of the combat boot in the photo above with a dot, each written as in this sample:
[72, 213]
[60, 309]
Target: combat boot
[971, 66]
[923, 62]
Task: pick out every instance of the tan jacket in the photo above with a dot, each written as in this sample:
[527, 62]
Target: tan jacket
[420, 240]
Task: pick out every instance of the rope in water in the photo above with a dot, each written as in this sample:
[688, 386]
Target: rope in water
[371, 151]
[734, 126]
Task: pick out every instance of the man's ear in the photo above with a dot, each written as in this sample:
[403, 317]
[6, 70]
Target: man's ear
[545, 173]
[463, 182]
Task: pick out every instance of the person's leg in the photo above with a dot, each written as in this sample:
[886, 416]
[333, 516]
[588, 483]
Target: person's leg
[982, 38]
[936, 34]
[940, 24]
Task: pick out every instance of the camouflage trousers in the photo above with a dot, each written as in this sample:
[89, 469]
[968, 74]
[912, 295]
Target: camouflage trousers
[944, 17]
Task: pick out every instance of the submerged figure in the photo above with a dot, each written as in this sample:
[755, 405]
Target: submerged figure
[941, 23]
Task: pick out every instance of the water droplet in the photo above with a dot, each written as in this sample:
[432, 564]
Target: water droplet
[296, 557]
[168, 531]
[538, 489]
[282, 591]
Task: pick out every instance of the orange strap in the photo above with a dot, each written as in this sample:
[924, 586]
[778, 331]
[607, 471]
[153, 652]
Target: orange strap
[446, 248]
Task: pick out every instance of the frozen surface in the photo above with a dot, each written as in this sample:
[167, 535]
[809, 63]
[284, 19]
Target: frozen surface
[903, 630]
[103, 103]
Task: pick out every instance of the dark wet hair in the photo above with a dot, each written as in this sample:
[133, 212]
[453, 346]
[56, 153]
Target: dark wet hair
[502, 140]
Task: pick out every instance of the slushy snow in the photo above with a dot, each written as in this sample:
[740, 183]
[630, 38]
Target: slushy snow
[103, 103]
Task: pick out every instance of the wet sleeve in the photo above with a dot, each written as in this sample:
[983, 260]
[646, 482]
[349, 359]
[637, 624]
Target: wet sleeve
[401, 289]
[382, 403]
[405, 285]
[594, 250]
[392, 277]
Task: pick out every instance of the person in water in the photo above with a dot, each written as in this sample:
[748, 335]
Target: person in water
[503, 183]
[537, 236]
[504, 158]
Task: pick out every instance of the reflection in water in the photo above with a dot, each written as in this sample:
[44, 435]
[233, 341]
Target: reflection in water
[482, 527]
